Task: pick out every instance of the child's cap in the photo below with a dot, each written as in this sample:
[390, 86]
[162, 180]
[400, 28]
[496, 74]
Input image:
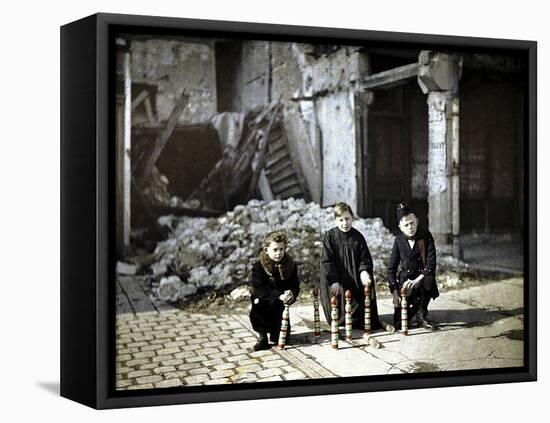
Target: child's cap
[403, 210]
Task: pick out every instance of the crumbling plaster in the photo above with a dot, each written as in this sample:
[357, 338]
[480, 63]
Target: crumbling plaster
[316, 90]
[178, 65]
[319, 115]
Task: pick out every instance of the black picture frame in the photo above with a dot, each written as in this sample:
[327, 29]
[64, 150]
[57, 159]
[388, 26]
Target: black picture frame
[87, 213]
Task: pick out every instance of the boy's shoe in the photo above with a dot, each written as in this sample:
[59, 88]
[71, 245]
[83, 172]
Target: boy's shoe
[423, 321]
[262, 343]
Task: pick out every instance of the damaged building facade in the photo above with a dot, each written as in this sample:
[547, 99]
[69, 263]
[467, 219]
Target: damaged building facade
[216, 122]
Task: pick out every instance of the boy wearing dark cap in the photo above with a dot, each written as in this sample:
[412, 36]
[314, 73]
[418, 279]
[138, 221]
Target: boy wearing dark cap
[274, 284]
[412, 266]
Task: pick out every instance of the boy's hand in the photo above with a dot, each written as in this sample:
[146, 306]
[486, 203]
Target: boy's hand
[408, 285]
[290, 297]
[396, 298]
[366, 280]
[287, 297]
[335, 289]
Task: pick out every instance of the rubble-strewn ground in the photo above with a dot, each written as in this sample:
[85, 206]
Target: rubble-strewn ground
[480, 327]
[206, 258]
[202, 335]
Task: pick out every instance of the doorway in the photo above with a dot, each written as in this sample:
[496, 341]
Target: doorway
[388, 153]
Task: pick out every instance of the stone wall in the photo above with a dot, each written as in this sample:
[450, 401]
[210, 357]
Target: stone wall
[316, 87]
[335, 114]
[317, 93]
[174, 66]
[255, 74]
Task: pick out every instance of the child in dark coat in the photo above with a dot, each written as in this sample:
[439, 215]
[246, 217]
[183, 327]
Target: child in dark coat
[274, 284]
[346, 264]
[412, 266]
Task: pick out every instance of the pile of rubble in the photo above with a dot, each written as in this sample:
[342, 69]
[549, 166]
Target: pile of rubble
[218, 253]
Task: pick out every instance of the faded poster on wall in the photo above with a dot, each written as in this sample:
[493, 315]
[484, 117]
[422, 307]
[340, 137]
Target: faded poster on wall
[437, 156]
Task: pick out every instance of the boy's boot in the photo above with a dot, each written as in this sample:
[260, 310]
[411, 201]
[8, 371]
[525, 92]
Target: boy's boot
[262, 343]
[422, 315]
[414, 307]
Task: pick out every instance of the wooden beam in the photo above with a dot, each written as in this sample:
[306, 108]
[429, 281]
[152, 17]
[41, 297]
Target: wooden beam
[161, 141]
[161, 210]
[149, 111]
[493, 62]
[137, 101]
[391, 78]
[265, 187]
[262, 147]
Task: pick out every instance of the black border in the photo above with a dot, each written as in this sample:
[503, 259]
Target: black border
[88, 210]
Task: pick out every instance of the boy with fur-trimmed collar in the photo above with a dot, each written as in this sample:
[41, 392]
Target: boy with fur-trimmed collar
[274, 284]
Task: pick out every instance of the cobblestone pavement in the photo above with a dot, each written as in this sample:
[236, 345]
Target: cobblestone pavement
[174, 348]
[481, 327]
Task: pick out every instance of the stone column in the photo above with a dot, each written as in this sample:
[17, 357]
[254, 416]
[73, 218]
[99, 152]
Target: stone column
[438, 76]
[438, 184]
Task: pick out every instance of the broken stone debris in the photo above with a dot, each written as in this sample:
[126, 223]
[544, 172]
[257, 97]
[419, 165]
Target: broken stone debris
[172, 288]
[452, 280]
[126, 268]
[218, 253]
[240, 293]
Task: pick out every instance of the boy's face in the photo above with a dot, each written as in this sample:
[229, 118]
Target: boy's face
[275, 250]
[344, 221]
[408, 225]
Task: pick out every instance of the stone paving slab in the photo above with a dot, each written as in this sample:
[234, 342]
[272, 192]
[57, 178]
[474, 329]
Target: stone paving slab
[181, 349]
[480, 327]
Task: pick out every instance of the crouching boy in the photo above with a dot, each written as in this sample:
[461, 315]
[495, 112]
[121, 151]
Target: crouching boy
[412, 265]
[274, 284]
[346, 264]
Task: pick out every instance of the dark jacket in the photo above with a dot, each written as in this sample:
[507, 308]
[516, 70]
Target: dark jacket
[345, 255]
[406, 263]
[271, 279]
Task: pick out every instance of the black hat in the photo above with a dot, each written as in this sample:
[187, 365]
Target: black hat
[403, 210]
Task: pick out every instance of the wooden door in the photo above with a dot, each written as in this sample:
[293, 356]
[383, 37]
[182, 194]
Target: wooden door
[389, 160]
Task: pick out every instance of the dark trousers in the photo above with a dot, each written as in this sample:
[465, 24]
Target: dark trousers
[417, 300]
[266, 318]
[357, 306]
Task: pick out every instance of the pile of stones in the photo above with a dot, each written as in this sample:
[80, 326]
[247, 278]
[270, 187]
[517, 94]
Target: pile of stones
[202, 254]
